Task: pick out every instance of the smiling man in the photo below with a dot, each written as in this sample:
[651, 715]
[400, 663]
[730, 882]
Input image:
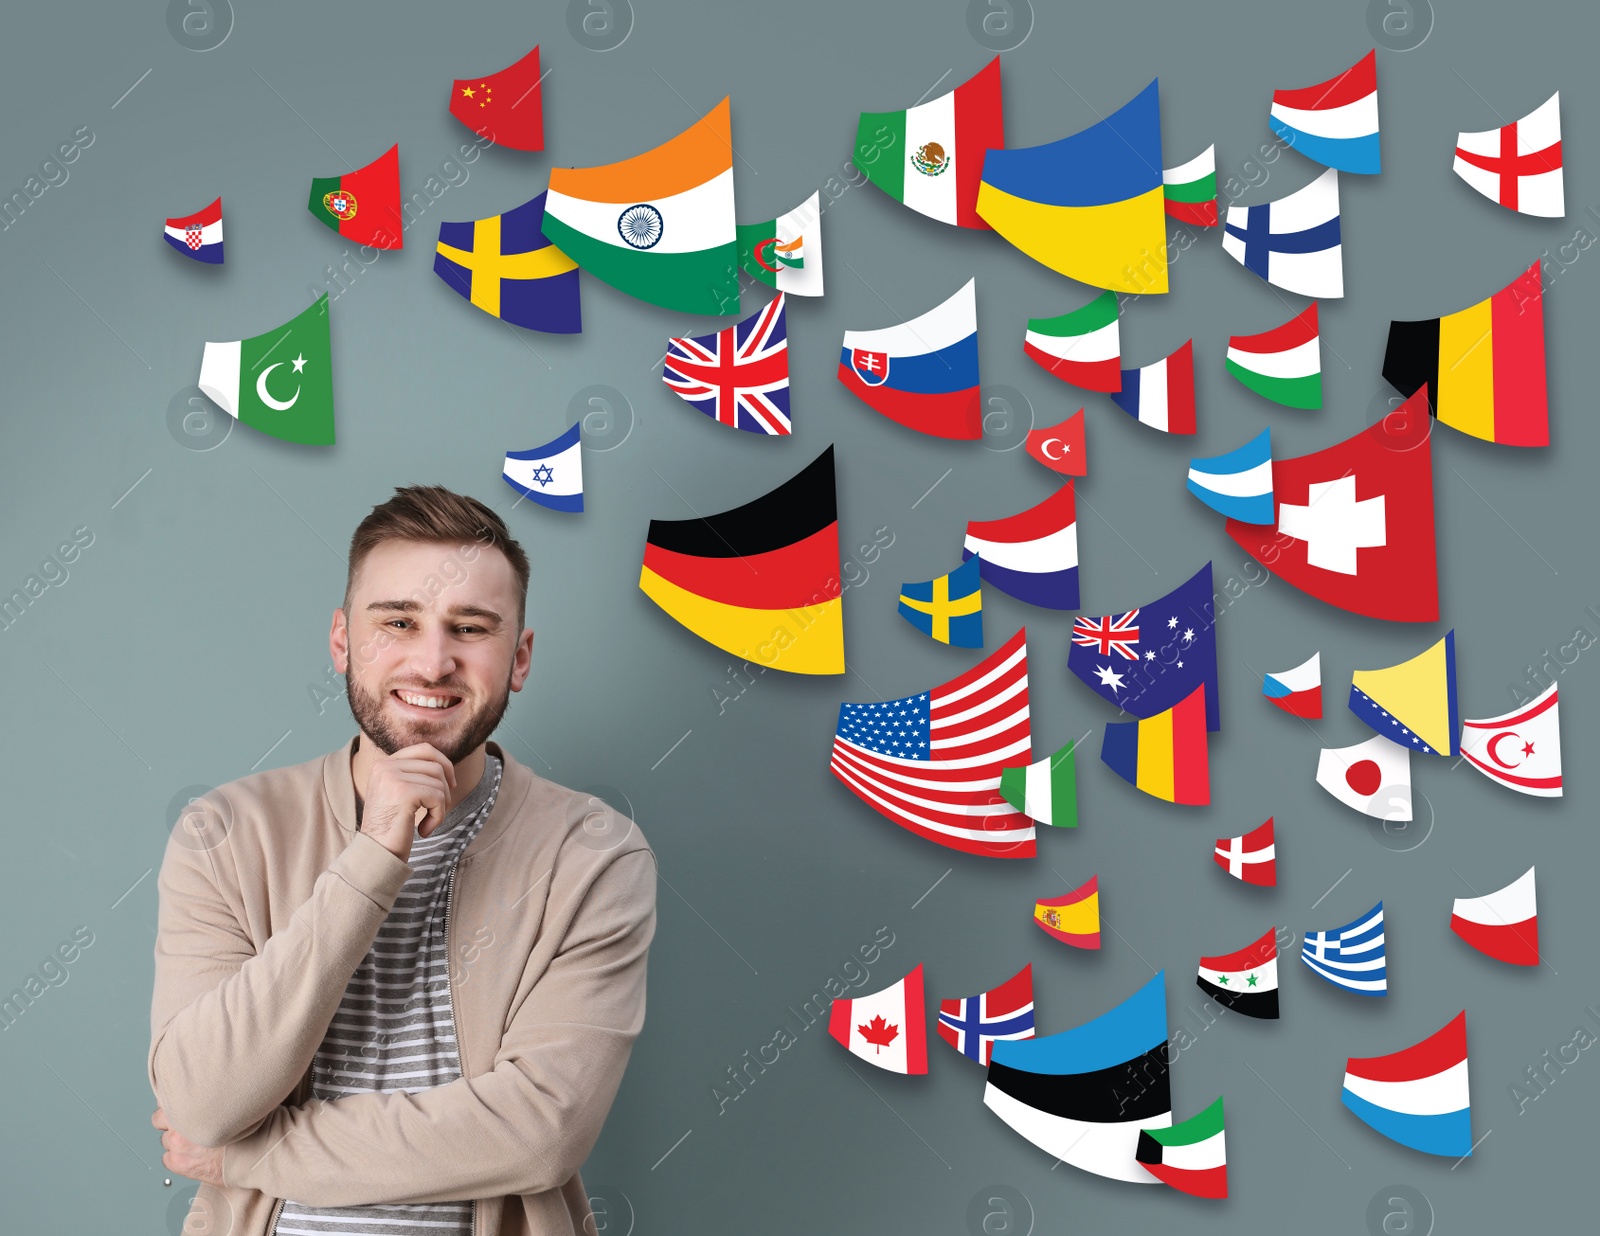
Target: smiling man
[397, 985]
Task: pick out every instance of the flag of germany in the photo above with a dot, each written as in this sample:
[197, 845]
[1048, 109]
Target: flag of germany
[1483, 366]
[760, 581]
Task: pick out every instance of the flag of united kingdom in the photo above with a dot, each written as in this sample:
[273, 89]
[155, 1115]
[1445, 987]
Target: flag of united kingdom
[1107, 635]
[739, 376]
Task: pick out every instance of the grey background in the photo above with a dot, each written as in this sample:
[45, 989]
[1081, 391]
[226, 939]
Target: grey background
[184, 645]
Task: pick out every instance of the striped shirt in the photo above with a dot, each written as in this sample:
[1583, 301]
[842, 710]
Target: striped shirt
[394, 1029]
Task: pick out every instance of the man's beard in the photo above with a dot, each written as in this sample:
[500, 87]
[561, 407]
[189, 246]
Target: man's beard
[389, 735]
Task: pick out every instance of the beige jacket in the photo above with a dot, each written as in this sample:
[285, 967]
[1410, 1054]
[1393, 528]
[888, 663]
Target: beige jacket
[270, 898]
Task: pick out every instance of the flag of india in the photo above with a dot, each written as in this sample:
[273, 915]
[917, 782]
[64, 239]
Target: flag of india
[280, 383]
[659, 226]
[1047, 791]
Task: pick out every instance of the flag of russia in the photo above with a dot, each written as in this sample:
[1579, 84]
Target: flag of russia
[1334, 123]
[1161, 395]
[1417, 1097]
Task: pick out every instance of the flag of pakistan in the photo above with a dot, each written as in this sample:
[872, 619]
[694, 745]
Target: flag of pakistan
[281, 382]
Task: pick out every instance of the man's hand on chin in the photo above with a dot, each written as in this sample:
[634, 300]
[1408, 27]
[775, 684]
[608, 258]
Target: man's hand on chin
[186, 1158]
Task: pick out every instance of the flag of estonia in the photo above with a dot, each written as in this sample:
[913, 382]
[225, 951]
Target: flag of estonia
[760, 581]
[659, 226]
[1192, 1157]
[1245, 982]
[1085, 1095]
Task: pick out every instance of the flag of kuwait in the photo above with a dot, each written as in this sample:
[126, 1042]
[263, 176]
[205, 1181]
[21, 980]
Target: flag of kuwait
[1418, 1097]
[1161, 395]
[1334, 123]
[1283, 364]
[1192, 1157]
[1190, 191]
[1082, 347]
[930, 157]
[659, 226]
[1504, 925]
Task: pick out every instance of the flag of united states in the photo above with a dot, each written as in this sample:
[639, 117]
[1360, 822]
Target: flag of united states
[932, 762]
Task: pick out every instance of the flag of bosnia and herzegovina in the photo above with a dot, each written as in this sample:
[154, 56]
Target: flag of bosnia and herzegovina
[659, 226]
[281, 382]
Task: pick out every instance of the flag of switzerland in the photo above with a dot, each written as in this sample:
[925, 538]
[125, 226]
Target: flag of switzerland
[1354, 522]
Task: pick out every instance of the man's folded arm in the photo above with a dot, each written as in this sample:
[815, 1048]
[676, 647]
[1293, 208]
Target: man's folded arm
[232, 1031]
[523, 1127]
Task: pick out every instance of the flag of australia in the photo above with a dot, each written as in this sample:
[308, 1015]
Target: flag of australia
[1150, 658]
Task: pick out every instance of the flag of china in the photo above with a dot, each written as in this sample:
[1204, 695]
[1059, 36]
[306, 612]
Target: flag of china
[363, 205]
[506, 107]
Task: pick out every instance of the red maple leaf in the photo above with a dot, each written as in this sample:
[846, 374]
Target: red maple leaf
[879, 1033]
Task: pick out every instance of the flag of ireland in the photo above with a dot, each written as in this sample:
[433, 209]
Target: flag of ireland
[659, 226]
[281, 382]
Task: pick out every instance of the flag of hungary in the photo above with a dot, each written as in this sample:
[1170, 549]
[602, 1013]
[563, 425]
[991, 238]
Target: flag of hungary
[786, 253]
[659, 226]
[1047, 791]
[281, 382]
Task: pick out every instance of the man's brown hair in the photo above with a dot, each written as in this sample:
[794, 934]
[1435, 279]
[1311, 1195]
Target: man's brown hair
[434, 514]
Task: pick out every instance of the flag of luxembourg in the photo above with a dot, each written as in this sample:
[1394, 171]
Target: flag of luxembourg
[1334, 123]
[1032, 555]
[1293, 243]
[1417, 1097]
[1238, 484]
[1161, 395]
[552, 474]
[198, 235]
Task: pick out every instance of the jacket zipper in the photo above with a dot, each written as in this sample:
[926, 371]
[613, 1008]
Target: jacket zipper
[272, 1223]
[450, 985]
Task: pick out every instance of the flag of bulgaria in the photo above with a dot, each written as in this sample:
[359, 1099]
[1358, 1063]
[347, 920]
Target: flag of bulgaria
[1047, 791]
[931, 156]
[1283, 364]
[281, 382]
[1192, 1156]
[659, 226]
[786, 253]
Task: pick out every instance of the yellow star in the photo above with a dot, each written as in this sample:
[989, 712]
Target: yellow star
[466, 92]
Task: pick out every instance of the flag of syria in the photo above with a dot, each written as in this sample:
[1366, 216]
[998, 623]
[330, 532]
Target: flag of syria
[1353, 524]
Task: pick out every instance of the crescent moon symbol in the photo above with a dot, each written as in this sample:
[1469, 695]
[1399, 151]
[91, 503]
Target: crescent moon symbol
[261, 391]
[1044, 449]
[763, 244]
[1490, 745]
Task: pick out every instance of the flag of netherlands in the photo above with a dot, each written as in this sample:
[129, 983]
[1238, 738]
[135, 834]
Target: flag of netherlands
[1519, 164]
[1520, 749]
[552, 474]
[1192, 1156]
[922, 373]
[1418, 1097]
[1161, 395]
[1352, 956]
[1239, 483]
[1083, 347]
[972, 1024]
[198, 235]
[739, 376]
[1334, 123]
[1190, 190]
[1297, 691]
[1032, 555]
[1294, 242]
[1283, 364]
[1504, 925]
[932, 762]
[1251, 857]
